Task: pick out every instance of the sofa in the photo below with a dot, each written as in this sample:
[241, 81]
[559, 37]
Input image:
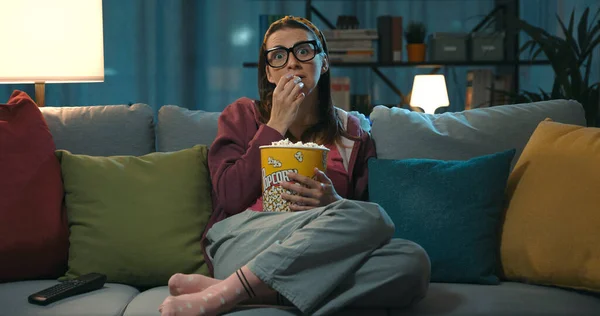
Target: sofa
[137, 130]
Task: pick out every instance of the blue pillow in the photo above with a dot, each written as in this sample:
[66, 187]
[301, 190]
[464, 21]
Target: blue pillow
[453, 209]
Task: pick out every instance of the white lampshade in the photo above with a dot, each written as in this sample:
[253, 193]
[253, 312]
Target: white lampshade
[429, 93]
[49, 41]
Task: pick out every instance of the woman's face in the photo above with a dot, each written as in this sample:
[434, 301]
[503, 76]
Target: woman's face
[310, 71]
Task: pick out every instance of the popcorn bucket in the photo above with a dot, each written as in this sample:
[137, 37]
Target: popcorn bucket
[277, 161]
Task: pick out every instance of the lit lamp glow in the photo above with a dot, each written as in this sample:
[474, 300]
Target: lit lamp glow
[51, 41]
[429, 93]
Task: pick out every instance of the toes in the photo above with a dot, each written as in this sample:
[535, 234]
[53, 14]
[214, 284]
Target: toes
[173, 284]
[174, 279]
[167, 308]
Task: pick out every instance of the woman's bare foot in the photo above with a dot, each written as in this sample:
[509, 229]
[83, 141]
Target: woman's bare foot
[223, 296]
[181, 283]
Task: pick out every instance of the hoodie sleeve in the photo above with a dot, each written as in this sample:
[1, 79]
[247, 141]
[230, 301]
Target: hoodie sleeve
[234, 157]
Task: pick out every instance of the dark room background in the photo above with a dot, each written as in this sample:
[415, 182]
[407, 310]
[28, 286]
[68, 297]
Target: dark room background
[190, 52]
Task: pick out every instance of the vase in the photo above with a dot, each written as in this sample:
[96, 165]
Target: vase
[416, 52]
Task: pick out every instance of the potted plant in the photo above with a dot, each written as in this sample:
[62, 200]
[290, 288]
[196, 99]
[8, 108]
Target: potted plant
[571, 60]
[415, 39]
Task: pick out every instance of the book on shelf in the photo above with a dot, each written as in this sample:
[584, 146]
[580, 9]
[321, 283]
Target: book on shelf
[340, 92]
[352, 56]
[478, 93]
[502, 83]
[481, 86]
[350, 34]
[344, 44]
[390, 32]
[351, 45]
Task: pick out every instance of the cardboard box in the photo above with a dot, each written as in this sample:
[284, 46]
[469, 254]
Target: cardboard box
[448, 46]
[487, 46]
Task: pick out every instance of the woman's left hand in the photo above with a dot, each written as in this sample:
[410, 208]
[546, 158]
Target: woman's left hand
[311, 192]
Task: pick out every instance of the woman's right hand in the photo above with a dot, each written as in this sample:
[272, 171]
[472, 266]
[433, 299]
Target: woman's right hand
[287, 98]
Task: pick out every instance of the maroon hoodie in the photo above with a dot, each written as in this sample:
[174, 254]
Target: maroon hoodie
[234, 161]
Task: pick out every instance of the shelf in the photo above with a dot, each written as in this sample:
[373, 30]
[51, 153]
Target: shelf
[506, 7]
[429, 64]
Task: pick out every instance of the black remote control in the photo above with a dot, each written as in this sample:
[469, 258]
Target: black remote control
[85, 283]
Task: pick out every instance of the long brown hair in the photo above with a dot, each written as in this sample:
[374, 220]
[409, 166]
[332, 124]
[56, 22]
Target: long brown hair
[329, 128]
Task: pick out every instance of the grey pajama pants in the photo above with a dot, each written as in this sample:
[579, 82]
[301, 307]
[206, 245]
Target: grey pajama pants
[324, 259]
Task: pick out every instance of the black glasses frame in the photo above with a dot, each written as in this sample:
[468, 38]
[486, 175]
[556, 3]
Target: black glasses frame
[289, 50]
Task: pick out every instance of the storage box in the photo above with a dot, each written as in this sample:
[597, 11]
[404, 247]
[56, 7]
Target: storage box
[448, 46]
[487, 46]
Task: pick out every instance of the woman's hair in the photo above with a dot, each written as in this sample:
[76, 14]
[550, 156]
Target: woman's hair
[329, 128]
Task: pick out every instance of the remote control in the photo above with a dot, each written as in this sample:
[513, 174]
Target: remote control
[85, 283]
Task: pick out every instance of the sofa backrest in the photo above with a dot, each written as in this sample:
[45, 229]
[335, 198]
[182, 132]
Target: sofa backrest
[102, 130]
[179, 128]
[400, 133]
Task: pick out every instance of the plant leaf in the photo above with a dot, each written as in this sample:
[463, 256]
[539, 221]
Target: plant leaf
[538, 35]
[534, 49]
[549, 44]
[594, 20]
[537, 53]
[593, 36]
[575, 89]
[588, 68]
[582, 34]
[571, 21]
[534, 97]
[556, 90]
[514, 98]
[591, 47]
[545, 95]
[531, 44]
[569, 33]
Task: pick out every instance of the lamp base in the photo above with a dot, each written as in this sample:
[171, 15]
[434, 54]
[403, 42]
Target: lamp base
[40, 98]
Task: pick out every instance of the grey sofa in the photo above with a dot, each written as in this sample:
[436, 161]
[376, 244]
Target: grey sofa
[398, 133]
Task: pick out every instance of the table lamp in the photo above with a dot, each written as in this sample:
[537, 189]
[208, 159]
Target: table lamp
[51, 41]
[429, 93]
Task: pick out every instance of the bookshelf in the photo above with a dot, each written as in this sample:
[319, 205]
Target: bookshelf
[431, 64]
[508, 9]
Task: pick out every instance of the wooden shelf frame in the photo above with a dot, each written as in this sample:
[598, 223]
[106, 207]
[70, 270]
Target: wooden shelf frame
[508, 8]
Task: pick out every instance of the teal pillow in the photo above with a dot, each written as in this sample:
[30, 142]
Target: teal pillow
[453, 209]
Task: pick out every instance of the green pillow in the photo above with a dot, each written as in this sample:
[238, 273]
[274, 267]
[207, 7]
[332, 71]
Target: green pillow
[137, 219]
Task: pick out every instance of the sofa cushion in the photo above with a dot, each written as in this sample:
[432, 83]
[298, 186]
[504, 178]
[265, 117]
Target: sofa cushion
[33, 228]
[453, 209]
[399, 133]
[140, 219]
[111, 300]
[146, 303]
[507, 299]
[179, 128]
[551, 234]
[102, 130]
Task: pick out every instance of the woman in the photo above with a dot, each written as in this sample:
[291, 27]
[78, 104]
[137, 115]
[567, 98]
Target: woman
[335, 249]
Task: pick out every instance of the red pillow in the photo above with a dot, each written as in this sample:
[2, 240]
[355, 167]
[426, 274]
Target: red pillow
[34, 240]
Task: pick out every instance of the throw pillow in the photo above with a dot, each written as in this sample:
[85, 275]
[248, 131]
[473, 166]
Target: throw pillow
[551, 230]
[453, 209]
[33, 228]
[137, 219]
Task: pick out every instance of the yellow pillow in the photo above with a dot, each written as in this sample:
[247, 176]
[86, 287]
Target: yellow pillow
[551, 233]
